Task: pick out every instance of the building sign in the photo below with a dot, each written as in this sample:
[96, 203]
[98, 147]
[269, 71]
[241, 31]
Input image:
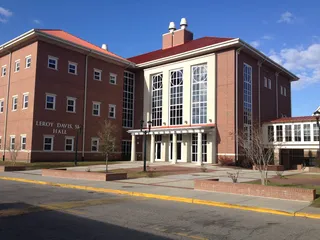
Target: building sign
[58, 128]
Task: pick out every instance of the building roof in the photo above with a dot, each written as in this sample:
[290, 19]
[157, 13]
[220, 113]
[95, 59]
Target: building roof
[76, 40]
[293, 119]
[161, 53]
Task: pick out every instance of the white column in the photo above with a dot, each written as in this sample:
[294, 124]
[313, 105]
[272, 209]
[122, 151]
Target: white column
[133, 148]
[199, 149]
[152, 148]
[174, 148]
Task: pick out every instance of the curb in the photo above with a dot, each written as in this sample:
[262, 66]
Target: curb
[168, 198]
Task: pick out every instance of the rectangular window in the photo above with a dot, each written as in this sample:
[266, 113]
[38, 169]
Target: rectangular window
[281, 90]
[71, 104]
[128, 99]
[194, 147]
[3, 71]
[25, 102]
[270, 134]
[48, 143]
[1, 105]
[12, 142]
[28, 61]
[0, 142]
[176, 97]
[50, 101]
[269, 83]
[96, 108]
[284, 91]
[247, 101]
[17, 66]
[306, 133]
[265, 82]
[23, 141]
[279, 133]
[14, 103]
[113, 79]
[53, 62]
[199, 94]
[315, 132]
[69, 143]
[288, 132]
[97, 74]
[73, 68]
[157, 99]
[112, 111]
[297, 133]
[94, 144]
[126, 148]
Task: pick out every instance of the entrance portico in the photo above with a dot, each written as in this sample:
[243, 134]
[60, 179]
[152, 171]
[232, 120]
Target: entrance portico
[195, 144]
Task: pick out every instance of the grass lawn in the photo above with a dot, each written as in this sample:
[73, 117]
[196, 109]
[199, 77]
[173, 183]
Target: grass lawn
[316, 202]
[41, 165]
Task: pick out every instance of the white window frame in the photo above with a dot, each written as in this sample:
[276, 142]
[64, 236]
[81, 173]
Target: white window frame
[112, 106]
[28, 61]
[128, 99]
[113, 81]
[281, 90]
[44, 143]
[284, 91]
[4, 71]
[98, 142]
[75, 67]
[74, 105]
[56, 62]
[269, 84]
[65, 143]
[11, 143]
[1, 105]
[54, 101]
[17, 65]
[23, 146]
[95, 70]
[24, 101]
[99, 108]
[14, 104]
[0, 142]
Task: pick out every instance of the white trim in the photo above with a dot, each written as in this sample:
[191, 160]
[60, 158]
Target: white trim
[23, 100]
[115, 78]
[52, 143]
[54, 102]
[98, 142]
[114, 107]
[1, 101]
[65, 143]
[56, 62]
[4, 67]
[23, 136]
[95, 70]
[99, 109]
[75, 68]
[10, 142]
[74, 106]
[16, 62]
[14, 104]
[25, 61]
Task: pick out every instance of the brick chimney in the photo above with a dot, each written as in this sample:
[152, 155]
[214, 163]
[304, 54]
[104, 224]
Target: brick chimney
[176, 37]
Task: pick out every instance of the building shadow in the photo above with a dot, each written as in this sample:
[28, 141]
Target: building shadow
[24, 221]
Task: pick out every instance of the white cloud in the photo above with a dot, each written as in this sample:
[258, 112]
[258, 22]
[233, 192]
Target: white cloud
[36, 21]
[5, 12]
[305, 62]
[2, 20]
[267, 37]
[4, 15]
[286, 17]
[255, 44]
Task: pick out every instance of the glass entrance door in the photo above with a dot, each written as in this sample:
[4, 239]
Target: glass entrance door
[158, 140]
[179, 147]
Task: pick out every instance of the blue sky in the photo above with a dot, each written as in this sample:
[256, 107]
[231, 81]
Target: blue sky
[288, 32]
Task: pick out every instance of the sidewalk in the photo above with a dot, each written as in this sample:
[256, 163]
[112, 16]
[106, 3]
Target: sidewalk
[174, 193]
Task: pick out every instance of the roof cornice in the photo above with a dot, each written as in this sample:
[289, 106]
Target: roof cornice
[17, 39]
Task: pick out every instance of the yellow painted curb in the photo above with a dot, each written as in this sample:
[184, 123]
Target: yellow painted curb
[167, 198]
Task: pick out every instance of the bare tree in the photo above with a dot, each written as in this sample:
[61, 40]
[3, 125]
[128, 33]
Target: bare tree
[14, 151]
[256, 151]
[107, 140]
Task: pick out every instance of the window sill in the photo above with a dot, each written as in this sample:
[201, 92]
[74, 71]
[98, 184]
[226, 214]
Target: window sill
[97, 80]
[75, 74]
[70, 112]
[24, 108]
[56, 69]
[14, 110]
[50, 109]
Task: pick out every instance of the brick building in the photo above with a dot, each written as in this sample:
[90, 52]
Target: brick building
[195, 93]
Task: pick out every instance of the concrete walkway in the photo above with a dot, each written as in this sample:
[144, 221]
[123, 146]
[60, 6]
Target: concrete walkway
[176, 188]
